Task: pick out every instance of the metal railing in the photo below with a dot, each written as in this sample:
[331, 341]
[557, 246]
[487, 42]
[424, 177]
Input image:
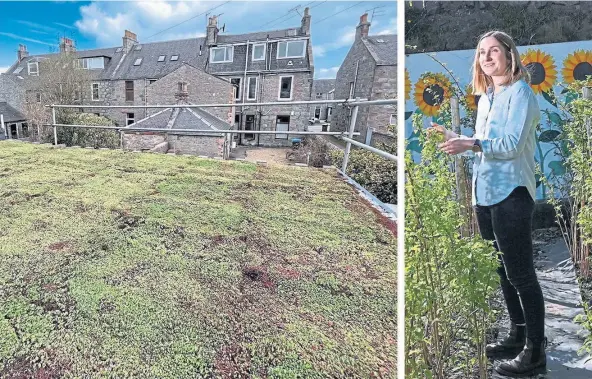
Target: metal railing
[345, 136]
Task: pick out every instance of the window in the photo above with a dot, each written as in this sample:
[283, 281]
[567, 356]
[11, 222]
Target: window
[129, 118]
[129, 90]
[18, 70]
[38, 95]
[90, 63]
[351, 90]
[282, 124]
[252, 89]
[95, 91]
[258, 52]
[174, 57]
[33, 68]
[393, 120]
[138, 62]
[161, 58]
[285, 87]
[182, 86]
[236, 82]
[222, 54]
[150, 81]
[319, 95]
[291, 49]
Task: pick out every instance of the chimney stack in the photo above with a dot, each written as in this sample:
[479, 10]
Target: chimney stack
[305, 28]
[129, 40]
[363, 28]
[212, 31]
[22, 52]
[67, 45]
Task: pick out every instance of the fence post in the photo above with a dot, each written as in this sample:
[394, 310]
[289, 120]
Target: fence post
[55, 130]
[369, 132]
[460, 172]
[351, 135]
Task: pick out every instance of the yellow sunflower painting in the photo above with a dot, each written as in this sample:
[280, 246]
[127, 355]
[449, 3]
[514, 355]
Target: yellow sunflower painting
[577, 66]
[472, 100]
[543, 72]
[430, 92]
[407, 85]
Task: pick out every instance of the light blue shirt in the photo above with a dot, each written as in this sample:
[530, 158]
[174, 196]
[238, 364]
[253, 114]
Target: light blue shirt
[506, 125]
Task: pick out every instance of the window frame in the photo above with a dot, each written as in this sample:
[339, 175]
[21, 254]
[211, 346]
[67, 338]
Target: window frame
[287, 136]
[221, 47]
[291, 56]
[239, 92]
[92, 92]
[31, 73]
[249, 87]
[163, 58]
[127, 118]
[291, 88]
[176, 56]
[129, 89]
[38, 97]
[253, 52]
[393, 119]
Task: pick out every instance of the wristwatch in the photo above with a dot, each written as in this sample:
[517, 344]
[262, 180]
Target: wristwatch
[477, 146]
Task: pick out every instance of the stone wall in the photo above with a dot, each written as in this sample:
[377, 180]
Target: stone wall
[132, 141]
[12, 93]
[457, 25]
[383, 87]
[210, 146]
[358, 61]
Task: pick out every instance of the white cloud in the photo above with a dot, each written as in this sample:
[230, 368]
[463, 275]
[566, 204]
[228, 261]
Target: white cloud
[65, 26]
[327, 73]
[319, 51]
[391, 28]
[3, 69]
[347, 35]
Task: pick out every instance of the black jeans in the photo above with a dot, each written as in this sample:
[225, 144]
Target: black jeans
[509, 223]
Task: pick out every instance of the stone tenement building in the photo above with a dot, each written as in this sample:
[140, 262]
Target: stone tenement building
[368, 71]
[323, 89]
[272, 66]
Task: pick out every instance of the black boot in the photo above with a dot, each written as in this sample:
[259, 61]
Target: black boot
[510, 346]
[531, 361]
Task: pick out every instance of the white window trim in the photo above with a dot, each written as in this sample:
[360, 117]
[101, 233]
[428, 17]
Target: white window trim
[249, 86]
[239, 89]
[221, 47]
[92, 92]
[392, 120]
[277, 54]
[280, 88]
[287, 136]
[253, 52]
[33, 73]
[127, 118]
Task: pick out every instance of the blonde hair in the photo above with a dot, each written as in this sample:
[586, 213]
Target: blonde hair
[514, 72]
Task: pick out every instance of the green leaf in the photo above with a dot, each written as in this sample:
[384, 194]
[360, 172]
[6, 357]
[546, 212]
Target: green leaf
[537, 178]
[414, 146]
[571, 96]
[550, 98]
[408, 114]
[557, 167]
[565, 148]
[564, 91]
[555, 118]
[548, 135]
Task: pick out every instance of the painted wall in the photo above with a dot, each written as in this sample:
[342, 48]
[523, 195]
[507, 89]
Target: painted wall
[551, 66]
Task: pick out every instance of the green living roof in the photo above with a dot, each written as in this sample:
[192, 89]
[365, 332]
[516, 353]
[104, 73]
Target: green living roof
[117, 264]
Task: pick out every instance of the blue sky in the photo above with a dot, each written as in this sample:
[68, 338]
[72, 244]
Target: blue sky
[38, 25]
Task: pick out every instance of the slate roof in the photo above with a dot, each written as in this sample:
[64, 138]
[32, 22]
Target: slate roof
[323, 85]
[384, 53]
[10, 114]
[183, 118]
[260, 36]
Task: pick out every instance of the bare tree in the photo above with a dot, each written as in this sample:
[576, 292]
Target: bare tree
[60, 81]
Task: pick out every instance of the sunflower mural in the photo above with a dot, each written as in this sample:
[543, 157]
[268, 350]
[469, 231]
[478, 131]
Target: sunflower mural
[577, 66]
[471, 100]
[541, 66]
[407, 85]
[430, 92]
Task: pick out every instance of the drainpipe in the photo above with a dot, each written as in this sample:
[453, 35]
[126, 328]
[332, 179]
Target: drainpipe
[244, 92]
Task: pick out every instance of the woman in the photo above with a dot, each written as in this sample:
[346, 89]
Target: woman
[504, 192]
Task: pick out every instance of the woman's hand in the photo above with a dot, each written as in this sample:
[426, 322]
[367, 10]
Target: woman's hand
[457, 145]
[437, 128]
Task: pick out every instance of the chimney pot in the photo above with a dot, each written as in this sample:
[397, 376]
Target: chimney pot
[363, 28]
[22, 52]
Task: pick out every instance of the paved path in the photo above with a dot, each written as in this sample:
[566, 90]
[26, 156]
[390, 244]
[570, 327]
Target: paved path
[557, 277]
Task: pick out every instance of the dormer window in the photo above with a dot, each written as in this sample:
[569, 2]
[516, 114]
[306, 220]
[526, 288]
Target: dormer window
[222, 54]
[291, 49]
[33, 68]
[90, 63]
[161, 58]
[258, 52]
[174, 57]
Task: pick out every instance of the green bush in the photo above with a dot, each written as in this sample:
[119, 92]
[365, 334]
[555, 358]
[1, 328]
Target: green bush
[449, 278]
[72, 136]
